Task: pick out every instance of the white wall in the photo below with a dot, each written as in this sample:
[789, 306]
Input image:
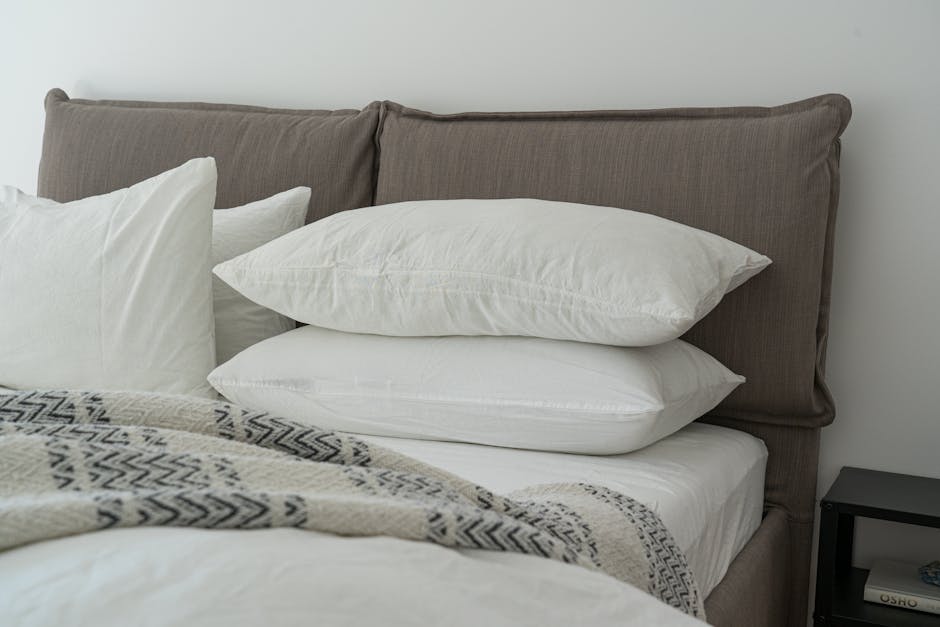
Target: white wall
[884, 364]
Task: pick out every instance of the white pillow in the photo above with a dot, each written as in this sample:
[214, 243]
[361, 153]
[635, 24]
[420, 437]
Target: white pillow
[503, 391]
[111, 291]
[239, 322]
[496, 267]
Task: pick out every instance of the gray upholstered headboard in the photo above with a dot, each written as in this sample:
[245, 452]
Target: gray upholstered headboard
[765, 177]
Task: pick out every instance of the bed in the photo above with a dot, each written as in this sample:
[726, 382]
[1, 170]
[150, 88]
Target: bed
[736, 489]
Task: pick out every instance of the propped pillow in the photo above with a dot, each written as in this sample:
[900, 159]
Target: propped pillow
[496, 267]
[112, 291]
[239, 322]
[503, 391]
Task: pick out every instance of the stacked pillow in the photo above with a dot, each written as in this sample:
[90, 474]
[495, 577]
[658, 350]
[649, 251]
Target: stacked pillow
[514, 322]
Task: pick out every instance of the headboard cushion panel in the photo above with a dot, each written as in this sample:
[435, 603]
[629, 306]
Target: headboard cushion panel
[94, 147]
[764, 177]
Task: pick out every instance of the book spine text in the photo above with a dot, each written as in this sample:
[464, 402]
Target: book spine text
[897, 599]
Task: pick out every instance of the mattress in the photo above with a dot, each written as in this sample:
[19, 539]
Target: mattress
[705, 482]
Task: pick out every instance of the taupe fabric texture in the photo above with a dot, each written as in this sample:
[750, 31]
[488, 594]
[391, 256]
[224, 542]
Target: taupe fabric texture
[750, 593]
[95, 147]
[766, 178]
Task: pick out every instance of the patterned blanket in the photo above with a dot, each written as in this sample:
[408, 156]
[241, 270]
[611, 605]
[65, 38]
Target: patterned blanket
[73, 462]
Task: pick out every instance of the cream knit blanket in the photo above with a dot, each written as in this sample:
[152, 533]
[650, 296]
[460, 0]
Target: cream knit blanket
[74, 462]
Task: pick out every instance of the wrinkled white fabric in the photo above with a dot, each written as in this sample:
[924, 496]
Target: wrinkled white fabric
[496, 267]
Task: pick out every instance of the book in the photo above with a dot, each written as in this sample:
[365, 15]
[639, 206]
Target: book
[898, 584]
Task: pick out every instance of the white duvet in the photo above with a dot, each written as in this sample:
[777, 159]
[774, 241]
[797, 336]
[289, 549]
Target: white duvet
[280, 577]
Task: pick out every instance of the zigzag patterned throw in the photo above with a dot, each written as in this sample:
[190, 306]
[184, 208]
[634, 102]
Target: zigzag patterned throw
[74, 462]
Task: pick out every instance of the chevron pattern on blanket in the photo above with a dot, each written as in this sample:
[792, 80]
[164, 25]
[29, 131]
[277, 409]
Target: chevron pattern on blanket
[75, 462]
[671, 579]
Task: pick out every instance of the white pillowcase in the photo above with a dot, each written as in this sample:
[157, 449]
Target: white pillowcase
[112, 291]
[504, 391]
[239, 322]
[496, 267]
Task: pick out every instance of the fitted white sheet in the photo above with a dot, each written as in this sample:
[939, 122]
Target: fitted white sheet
[705, 482]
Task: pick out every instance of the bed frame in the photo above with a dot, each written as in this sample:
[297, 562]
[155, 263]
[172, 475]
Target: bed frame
[767, 178]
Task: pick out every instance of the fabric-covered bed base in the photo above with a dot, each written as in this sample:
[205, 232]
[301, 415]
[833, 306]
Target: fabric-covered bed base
[754, 591]
[790, 490]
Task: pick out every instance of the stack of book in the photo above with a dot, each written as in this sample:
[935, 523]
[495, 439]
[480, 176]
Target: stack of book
[898, 584]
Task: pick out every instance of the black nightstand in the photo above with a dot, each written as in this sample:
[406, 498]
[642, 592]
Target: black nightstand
[870, 494]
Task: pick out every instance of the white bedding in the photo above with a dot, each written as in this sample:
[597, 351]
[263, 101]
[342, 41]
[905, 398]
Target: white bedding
[705, 482]
[285, 577]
